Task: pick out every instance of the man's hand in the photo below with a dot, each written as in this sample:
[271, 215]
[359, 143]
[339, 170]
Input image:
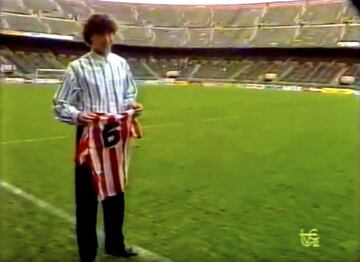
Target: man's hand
[138, 108]
[86, 118]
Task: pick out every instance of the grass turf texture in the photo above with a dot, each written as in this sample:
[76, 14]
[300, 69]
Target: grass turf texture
[233, 189]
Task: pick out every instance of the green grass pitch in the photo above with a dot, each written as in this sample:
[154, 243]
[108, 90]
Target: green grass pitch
[222, 174]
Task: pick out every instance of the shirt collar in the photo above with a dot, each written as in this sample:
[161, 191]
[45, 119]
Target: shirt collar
[100, 57]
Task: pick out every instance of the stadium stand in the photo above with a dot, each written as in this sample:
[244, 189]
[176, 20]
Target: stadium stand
[257, 25]
[14, 6]
[170, 37]
[274, 36]
[62, 26]
[137, 65]
[161, 65]
[217, 68]
[22, 23]
[324, 36]
[78, 9]
[123, 13]
[301, 24]
[236, 16]
[197, 16]
[45, 6]
[136, 35]
[354, 70]
[50, 61]
[226, 37]
[323, 12]
[298, 71]
[282, 14]
[231, 37]
[160, 15]
[275, 67]
[64, 59]
[352, 33]
[252, 69]
[350, 15]
[326, 72]
[240, 69]
[199, 37]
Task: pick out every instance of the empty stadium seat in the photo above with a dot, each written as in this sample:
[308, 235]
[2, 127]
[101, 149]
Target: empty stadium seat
[160, 66]
[231, 37]
[282, 14]
[199, 37]
[7, 54]
[169, 37]
[352, 33]
[51, 61]
[62, 26]
[124, 13]
[160, 15]
[140, 71]
[252, 70]
[323, 12]
[3, 60]
[354, 70]
[64, 60]
[324, 36]
[217, 69]
[274, 36]
[136, 35]
[24, 23]
[297, 72]
[208, 69]
[23, 63]
[197, 16]
[46, 6]
[224, 37]
[236, 16]
[324, 72]
[15, 6]
[20, 67]
[350, 15]
[76, 8]
[164, 64]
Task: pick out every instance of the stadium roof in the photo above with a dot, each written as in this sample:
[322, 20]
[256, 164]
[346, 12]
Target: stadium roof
[199, 2]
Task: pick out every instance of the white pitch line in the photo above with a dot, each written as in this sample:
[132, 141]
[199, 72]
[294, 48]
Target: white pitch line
[32, 140]
[219, 118]
[163, 125]
[143, 253]
[145, 127]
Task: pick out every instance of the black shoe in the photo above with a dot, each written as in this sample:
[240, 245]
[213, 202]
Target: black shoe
[127, 252]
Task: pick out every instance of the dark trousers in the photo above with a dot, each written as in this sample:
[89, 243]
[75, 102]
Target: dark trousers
[86, 214]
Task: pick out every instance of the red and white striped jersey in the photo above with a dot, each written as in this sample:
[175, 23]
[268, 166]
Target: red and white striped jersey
[104, 146]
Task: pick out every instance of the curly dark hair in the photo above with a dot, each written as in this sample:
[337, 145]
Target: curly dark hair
[98, 24]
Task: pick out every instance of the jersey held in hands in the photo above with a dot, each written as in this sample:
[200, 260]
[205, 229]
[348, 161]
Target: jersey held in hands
[104, 146]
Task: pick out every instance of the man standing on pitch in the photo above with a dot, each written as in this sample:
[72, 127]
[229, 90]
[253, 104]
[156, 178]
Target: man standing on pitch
[99, 81]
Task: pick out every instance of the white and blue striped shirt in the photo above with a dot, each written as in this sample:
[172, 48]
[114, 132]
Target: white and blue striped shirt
[94, 83]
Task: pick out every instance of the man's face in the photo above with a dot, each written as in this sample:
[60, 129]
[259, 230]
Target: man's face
[102, 43]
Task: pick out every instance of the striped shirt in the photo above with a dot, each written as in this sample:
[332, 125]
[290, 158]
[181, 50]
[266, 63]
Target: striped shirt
[94, 83]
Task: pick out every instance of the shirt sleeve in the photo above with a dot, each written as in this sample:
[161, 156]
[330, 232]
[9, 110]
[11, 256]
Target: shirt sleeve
[66, 98]
[130, 89]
